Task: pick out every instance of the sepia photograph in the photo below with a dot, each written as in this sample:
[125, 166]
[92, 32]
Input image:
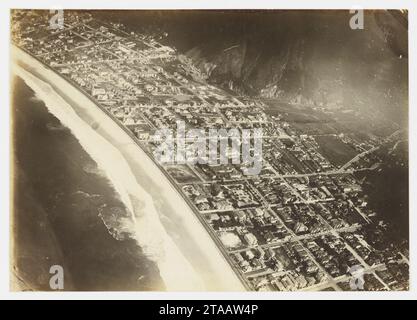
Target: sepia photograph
[209, 150]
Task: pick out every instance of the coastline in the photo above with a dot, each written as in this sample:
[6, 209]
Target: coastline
[157, 206]
[66, 210]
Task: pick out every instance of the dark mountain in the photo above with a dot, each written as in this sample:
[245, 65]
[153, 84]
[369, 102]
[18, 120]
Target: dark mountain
[309, 57]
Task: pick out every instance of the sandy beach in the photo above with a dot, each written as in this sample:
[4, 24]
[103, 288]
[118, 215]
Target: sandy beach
[164, 225]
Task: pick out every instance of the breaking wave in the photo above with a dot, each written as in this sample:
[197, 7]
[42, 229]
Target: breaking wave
[143, 223]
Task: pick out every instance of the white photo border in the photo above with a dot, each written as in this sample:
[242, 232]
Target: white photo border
[5, 197]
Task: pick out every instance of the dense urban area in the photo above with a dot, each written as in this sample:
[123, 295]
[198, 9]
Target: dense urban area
[303, 223]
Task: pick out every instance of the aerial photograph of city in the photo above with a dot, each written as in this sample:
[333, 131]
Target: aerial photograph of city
[209, 150]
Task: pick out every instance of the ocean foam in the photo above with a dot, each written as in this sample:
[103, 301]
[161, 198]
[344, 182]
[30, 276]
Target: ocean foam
[165, 219]
[176, 272]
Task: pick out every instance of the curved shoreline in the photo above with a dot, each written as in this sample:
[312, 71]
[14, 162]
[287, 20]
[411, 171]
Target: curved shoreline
[224, 279]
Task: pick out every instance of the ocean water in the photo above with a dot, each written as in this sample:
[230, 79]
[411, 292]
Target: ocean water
[156, 217]
[66, 212]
